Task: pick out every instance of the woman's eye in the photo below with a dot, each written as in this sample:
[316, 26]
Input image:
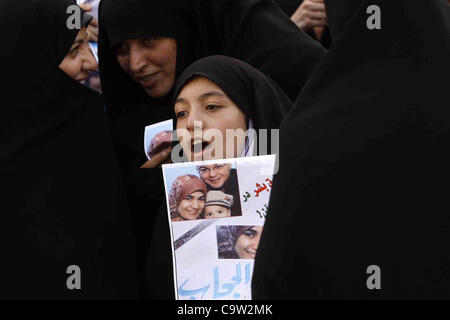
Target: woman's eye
[212, 107]
[121, 50]
[180, 114]
[150, 42]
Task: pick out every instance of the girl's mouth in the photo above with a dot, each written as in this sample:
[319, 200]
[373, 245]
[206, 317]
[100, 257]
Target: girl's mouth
[199, 147]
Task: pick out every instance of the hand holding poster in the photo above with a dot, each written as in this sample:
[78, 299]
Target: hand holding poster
[216, 212]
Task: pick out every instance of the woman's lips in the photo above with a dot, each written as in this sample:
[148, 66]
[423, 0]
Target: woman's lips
[192, 212]
[250, 252]
[148, 80]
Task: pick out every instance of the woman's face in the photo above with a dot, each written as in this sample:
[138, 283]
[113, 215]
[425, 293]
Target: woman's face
[202, 103]
[151, 62]
[247, 243]
[79, 60]
[212, 212]
[192, 206]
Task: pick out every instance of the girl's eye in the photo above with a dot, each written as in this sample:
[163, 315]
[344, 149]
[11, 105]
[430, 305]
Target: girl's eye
[180, 114]
[212, 107]
[189, 198]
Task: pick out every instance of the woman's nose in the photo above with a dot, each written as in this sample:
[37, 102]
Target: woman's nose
[194, 204]
[137, 60]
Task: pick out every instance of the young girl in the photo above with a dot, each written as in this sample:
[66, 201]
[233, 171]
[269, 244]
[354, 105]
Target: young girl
[221, 93]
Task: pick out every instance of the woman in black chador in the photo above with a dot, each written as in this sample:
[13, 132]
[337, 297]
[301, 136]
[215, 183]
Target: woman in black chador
[145, 45]
[62, 199]
[243, 98]
[363, 177]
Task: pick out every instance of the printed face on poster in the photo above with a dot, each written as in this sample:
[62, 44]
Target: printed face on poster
[157, 137]
[216, 212]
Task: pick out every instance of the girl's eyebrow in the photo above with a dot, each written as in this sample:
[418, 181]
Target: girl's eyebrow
[212, 94]
[182, 100]
[203, 96]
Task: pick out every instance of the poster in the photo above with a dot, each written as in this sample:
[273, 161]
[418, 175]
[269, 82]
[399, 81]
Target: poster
[157, 137]
[216, 212]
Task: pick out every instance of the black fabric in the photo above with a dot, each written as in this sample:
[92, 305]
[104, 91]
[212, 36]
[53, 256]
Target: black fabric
[365, 180]
[129, 107]
[259, 33]
[261, 100]
[290, 6]
[255, 31]
[62, 199]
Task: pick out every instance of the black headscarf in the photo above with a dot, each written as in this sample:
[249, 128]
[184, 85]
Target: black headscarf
[290, 6]
[259, 98]
[129, 106]
[62, 200]
[254, 31]
[365, 180]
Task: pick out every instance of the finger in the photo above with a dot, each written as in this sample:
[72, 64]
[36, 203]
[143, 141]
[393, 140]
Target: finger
[316, 14]
[85, 7]
[318, 23]
[157, 160]
[313, 6]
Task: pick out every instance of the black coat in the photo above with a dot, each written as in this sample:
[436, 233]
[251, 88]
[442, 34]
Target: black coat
[364, 164]
[261, 100]
[62, 198]
[254, 31]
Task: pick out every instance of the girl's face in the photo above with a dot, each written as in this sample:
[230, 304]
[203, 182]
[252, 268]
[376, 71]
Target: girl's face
[151, 62]
[212, 212]
[201, 103]
[192, 206]
[79, 60]
[247, 243]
